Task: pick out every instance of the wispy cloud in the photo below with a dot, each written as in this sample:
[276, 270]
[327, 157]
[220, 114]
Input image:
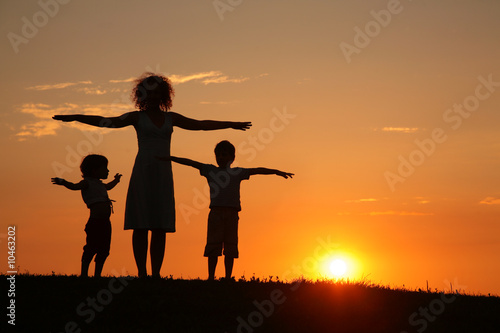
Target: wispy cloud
[422, 200]
[93, 91]
[398, 129]
[44, 111]
[130, 79]
[387, 213]
[398, 213]
[217, 103]
[106, 109]
[176, 78]
[224, 79]
[181, 78]
[206, 78]
[43, 87]
[490, 201]
[45, 125]
[361, 200]
[38, 129]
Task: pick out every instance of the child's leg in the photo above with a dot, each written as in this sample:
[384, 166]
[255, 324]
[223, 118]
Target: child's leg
[89, 249]
[99, 264]
[140, 247]
[157, 250]
[212, 264]
[213, 248]
[230, 241]
[100, 259]
[104, 244]
[228, 263]
[85, 265]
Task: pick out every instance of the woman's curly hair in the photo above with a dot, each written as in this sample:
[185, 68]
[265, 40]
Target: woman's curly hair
[150, 81]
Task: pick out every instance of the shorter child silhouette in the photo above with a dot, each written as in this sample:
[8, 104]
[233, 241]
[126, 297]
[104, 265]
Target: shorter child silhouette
[224, 183]
[95, 195]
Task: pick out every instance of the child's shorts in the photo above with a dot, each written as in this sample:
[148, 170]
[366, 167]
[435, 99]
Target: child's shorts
[222, 232]
[98, 232]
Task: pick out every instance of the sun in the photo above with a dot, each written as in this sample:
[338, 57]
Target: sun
[338, 268]
[339, 265]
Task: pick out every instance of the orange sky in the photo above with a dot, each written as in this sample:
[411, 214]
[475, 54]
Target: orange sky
[384, 110]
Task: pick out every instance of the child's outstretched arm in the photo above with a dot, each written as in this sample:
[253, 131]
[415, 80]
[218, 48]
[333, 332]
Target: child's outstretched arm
[69, 185]
[207, 125]
[126, 119]
[184, 161]
[112, 184]
[266, 171]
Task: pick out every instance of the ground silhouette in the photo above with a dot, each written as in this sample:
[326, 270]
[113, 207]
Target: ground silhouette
[125, 304]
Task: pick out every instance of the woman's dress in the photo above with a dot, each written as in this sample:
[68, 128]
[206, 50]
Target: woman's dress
[150, 197]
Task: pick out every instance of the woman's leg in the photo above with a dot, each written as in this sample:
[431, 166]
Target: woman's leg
[157, 250]
[140, 246]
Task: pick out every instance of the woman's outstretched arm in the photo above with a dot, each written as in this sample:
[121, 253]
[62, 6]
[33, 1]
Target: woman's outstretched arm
[126, 119]
[207, 125]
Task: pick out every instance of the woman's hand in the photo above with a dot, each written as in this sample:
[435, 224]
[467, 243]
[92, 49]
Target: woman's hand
[65, 118]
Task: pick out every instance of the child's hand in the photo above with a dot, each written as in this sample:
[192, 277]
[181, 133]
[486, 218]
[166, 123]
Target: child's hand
[117, 177]
[64, 118]
[243, 125]
[57, 181]
[285, 174]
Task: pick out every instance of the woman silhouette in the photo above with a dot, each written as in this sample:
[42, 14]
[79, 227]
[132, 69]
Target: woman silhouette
[150, 197]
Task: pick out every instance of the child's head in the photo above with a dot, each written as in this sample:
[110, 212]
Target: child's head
[224, 153]
[153, 90]
[95, 166]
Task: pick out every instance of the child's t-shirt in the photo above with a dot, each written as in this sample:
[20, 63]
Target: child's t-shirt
[224, 185]
[95, 192]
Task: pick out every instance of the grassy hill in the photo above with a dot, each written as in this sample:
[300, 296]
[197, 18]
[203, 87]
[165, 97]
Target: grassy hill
[71, 304]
